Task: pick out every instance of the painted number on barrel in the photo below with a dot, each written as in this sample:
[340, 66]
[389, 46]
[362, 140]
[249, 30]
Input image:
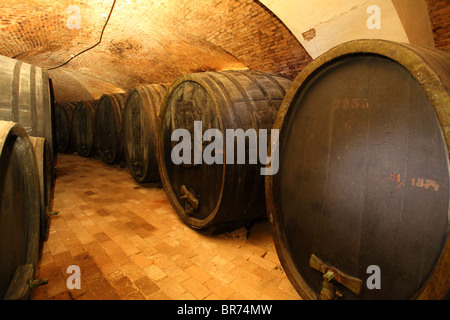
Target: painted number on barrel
[425, 183]
[398, 179]
[415, 182]
[346, 104]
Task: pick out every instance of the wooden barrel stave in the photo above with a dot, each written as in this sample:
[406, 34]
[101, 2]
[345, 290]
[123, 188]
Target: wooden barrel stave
[46, 178]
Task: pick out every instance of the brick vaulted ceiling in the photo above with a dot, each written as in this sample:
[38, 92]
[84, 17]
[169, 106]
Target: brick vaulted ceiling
[144, 41]
[157, 41]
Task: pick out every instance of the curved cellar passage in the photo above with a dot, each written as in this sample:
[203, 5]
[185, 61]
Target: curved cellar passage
[124, 235]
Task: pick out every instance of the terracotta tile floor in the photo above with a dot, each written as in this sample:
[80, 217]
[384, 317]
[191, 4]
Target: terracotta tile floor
[130, 244]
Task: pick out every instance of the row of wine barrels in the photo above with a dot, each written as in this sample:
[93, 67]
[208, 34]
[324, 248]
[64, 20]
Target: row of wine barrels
[140, 119]
[360, 205]
[108, 127]
[122, 127]
[20, 211]
[64, 113]
[219, 196]
[25, 98]
[84, 128]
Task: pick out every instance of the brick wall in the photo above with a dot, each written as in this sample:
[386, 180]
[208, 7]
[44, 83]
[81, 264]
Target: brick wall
[248, 30]
[26, 26]
[440, 21]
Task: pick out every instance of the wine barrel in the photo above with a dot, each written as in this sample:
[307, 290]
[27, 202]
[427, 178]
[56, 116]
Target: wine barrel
[64, 126]
[83, 128]
[46, 178]
[108, 127]
[140, 120]
[25, 98]
[217, 196]
[362, 192]
[19, 209]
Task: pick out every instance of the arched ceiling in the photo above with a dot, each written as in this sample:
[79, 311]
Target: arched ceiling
[157, 41]
[321, 25]
[147, 41]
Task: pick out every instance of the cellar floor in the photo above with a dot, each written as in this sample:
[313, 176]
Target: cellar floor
[129, 244]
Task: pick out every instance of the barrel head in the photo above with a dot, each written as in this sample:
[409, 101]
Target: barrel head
[189, 103]
[363, 178]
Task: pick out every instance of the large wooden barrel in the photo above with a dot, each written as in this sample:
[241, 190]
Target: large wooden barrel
[19, 207]
[25, 98]
[64, 126]
[46, 179]
[108, 127]
[217, 196]
[362, 192]
[140, 121]
[84, 128]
